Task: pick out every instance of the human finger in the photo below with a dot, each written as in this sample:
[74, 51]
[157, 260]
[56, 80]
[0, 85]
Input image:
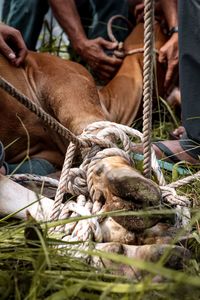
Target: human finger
[20, 47]
[107, 44]
[7, 51]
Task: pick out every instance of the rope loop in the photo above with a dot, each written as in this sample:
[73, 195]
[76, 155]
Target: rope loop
[170, 197]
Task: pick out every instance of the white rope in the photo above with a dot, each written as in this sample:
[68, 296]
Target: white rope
[22, 178]
[79, 182]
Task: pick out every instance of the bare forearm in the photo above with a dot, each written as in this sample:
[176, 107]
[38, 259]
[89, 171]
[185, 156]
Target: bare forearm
[169, 8]
[67, 16]
[169, 51]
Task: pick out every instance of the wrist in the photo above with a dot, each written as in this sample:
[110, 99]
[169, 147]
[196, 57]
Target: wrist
[172, 30]
[79, 44]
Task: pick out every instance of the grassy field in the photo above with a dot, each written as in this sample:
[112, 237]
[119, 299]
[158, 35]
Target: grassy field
[38, 269]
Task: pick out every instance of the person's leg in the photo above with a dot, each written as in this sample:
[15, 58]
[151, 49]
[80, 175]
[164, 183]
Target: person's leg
[5, 10]
[27, 16]
[85, 12]
[35, 166]
[103, 10]
[189, 43]
[188, 147]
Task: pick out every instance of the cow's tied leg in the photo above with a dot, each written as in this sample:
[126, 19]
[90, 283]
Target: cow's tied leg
[121, 187]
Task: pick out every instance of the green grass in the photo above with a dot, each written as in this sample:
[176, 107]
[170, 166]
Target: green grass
[46, 272]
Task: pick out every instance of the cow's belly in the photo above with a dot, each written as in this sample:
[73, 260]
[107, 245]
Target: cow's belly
[22, 133]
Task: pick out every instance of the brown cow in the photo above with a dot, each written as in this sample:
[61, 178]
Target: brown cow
[67, 91]
[62, 88]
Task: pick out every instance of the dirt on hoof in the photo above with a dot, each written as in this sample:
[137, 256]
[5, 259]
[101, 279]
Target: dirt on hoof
[114, 232]
[161, 233]
[121, 187]
[176, 257]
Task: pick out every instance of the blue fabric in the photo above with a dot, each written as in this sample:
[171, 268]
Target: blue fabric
[97, 14]
[33, 166]
[103, 10]
[28, 15]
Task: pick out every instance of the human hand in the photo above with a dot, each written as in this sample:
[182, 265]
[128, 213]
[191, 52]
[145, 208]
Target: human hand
[169, 54]
[93, 52]
[139, 12]
[12, 45]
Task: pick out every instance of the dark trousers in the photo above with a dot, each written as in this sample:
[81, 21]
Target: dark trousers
[189, 61]
[102, 11]
[27, 16]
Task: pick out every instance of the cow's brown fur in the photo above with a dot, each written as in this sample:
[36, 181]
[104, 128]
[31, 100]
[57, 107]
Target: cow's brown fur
[64, 89]
[123, 94]
[68, 92]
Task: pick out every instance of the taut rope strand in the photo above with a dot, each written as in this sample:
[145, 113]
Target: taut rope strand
[147, 84]
[138, 50]
[38, 111]
[185, 180]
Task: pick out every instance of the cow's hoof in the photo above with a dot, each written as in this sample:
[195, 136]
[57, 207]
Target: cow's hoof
[161, 233]
[124, 188]
[175, 257]
[114, 232]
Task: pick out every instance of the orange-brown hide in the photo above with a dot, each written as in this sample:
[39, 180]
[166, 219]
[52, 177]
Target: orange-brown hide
[122, 96]
[63, 89]
[66, 90]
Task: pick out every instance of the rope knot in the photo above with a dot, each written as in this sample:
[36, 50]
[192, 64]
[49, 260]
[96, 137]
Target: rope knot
[119, 52]
[170, 197]
[76, 182]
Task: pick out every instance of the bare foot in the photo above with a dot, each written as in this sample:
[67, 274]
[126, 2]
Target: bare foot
[177, 133]
[177, 151]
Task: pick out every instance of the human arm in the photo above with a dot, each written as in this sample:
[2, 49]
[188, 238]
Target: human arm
[169, 51]
[12, 45]
[92, 51]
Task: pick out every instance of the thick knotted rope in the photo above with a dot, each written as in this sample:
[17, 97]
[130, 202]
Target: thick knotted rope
[75, 183]
[83, 174]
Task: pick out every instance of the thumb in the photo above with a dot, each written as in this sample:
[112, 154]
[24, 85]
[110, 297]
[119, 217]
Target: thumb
[108, 45]
[7, 51]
